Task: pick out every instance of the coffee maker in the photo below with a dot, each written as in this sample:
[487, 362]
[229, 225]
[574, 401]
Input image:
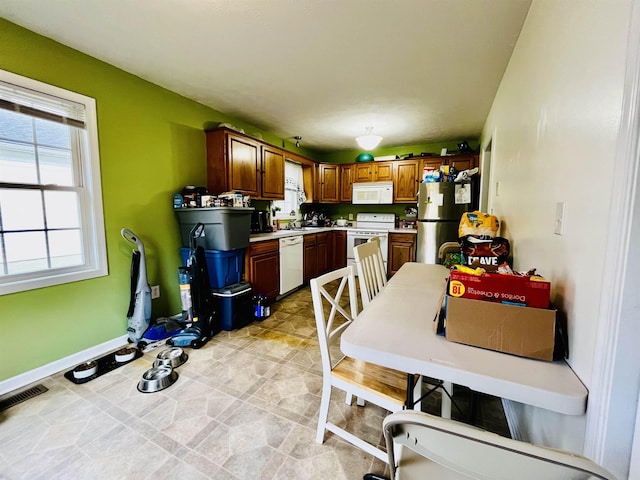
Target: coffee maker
[260, 221]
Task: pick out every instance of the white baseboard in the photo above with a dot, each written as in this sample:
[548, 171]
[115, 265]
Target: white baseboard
[512, 419]
[39, 373]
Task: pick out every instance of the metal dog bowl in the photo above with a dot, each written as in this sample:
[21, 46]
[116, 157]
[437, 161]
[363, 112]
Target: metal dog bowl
[157, 378]
[172, 357]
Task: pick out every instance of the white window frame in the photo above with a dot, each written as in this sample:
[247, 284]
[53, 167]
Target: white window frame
[90, 194]
[286, 215]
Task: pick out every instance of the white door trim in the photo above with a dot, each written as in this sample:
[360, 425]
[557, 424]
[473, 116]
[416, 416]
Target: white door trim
[615, 384]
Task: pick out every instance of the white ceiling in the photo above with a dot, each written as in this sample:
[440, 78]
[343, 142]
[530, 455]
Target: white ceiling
[418, 71]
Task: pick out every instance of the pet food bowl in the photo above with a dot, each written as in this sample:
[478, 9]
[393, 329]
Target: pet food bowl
[125, 354]
[173, 357]
[157, 378]
[85, 370]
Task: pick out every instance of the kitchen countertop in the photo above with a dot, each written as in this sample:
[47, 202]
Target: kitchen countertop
[260, 237]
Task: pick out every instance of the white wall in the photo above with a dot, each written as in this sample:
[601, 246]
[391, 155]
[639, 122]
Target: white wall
[553, 126]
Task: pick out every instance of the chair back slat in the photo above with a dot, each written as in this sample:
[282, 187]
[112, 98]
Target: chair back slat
[372, 276]
[332, 318]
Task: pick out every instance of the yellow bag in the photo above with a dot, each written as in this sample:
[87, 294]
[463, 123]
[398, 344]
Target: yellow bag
[479, 225]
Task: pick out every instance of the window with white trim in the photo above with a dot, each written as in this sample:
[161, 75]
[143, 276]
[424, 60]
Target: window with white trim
[51, 219]
[289, 208]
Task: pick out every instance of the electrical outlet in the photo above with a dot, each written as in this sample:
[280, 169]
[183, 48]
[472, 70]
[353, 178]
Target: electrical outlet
[155, 291]
[351, 216]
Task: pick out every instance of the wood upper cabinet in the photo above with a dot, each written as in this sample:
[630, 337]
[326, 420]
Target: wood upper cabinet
[463, 162]
[262, 267]
[405, 181]
[383, 171]
[240, 163]
[272, 173]
[329, 182]
[373, 172]
[346, 182]
[460, 162]
[402, 249]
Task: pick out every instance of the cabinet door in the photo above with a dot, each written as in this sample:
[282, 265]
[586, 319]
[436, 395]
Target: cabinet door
[309, 263]
[262, 267]
[339, 253]
[346, 182]
[383, 171]
[244, 167]
[363, 172]
[405, 181]
[272, 173]
[323, 264]
[402, 249]
[464, 162]
[329, 183]
[266, 278]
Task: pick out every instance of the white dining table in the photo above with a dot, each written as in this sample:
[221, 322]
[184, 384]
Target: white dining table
[397, 330]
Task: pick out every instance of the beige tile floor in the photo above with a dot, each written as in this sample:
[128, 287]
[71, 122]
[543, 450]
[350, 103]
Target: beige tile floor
[244, 407]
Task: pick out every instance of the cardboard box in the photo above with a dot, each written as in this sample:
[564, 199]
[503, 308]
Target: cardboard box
[524, 331]
[495, 287]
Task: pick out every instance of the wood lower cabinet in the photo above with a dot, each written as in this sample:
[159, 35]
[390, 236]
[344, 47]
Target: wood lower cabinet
[316, 255]
[402, 249]
[338, 249]
[262, 267]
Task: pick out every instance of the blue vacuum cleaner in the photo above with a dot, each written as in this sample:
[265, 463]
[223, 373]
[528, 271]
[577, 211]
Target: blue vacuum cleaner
[198, 313]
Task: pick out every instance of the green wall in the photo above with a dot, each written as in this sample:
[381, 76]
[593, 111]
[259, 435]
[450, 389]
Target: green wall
[152, 143]
[348, 156]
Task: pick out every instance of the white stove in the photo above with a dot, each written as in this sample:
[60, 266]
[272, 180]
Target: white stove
[370, 225]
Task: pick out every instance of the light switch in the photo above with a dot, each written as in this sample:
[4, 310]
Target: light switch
[497, 189]
[558, 228]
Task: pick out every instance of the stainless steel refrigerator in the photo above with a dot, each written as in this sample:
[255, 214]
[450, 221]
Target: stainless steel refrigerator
[440, 207]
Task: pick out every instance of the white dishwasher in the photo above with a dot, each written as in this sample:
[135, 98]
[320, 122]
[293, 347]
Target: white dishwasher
[291, 251]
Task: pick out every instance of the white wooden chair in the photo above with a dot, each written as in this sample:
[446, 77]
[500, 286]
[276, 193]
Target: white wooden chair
[433, 447]
[382, 386]
[371, 272]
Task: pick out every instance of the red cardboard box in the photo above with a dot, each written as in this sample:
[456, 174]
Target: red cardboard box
[494, 287]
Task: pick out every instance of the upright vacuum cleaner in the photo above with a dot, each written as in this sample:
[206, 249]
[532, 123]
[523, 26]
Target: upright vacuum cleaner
[197, 301]
[139, 313]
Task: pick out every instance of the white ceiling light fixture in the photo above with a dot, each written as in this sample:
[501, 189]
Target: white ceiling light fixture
[368, 141]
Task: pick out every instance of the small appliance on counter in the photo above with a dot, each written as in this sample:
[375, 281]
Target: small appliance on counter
[410, 224]
[261, 221]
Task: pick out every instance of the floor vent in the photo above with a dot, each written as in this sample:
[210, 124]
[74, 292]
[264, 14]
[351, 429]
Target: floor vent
[22, 396]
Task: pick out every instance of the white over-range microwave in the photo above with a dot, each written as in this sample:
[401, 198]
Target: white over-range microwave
[372, 193]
